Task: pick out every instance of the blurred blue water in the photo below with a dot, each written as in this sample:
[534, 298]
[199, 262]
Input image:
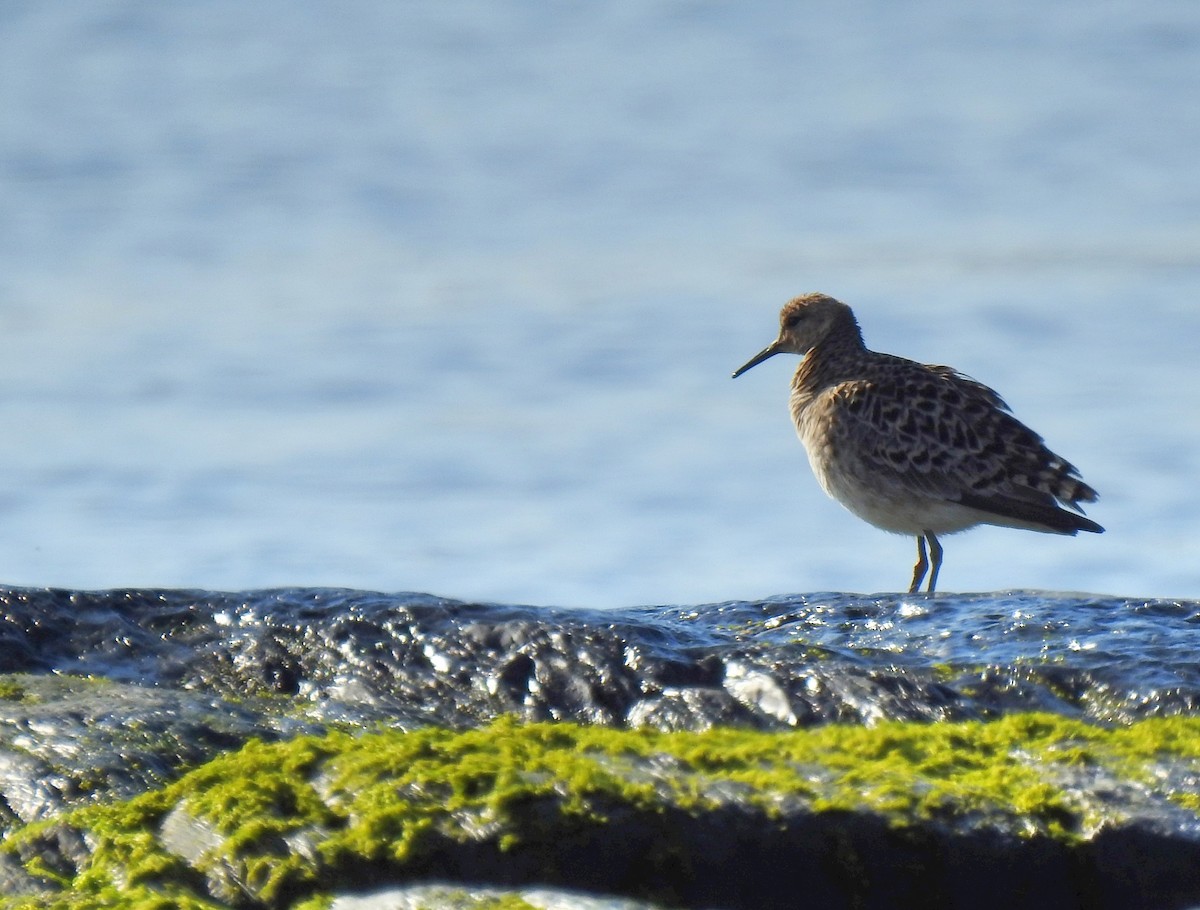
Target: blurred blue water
[445, 297]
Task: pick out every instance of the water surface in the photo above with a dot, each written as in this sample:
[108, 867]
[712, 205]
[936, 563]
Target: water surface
[446, 297]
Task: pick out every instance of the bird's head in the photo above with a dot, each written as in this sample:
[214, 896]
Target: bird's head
[804, 323]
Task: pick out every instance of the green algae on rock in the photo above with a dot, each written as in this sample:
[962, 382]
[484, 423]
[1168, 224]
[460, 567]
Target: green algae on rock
[844, 810]
[68, 740]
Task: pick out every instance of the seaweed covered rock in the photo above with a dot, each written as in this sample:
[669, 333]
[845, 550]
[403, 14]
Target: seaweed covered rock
[1028, 810]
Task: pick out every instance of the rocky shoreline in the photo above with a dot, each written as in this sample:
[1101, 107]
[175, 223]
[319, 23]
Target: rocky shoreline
[312, 748]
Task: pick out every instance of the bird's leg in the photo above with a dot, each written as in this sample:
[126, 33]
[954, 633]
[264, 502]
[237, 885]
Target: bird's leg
[921, 566]
[935, 557]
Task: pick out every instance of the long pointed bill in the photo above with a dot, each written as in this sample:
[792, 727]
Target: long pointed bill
[769, 351]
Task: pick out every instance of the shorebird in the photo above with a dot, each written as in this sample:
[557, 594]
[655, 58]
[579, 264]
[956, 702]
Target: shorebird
[913, 448]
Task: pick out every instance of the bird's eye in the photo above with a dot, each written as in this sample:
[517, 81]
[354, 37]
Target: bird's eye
[793, 320]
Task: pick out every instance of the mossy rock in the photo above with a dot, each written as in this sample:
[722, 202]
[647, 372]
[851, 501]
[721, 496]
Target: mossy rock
[1028, 808]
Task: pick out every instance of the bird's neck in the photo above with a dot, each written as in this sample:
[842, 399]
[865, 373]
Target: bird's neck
[834, 358]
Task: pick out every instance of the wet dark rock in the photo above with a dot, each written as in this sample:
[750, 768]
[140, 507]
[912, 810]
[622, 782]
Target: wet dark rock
[104, 695]
[68, 740]
[787, 661]
[178, 676]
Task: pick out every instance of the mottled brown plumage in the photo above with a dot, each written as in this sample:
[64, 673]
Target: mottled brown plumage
[913, 448]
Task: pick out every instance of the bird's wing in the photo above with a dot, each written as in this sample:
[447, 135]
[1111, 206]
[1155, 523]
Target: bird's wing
[941, 434]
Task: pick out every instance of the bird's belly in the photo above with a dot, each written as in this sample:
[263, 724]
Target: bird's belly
[885, 503]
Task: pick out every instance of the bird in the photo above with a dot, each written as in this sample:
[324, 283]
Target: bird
[913, 448]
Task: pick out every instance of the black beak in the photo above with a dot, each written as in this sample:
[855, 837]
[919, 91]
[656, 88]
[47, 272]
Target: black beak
[769, 351]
